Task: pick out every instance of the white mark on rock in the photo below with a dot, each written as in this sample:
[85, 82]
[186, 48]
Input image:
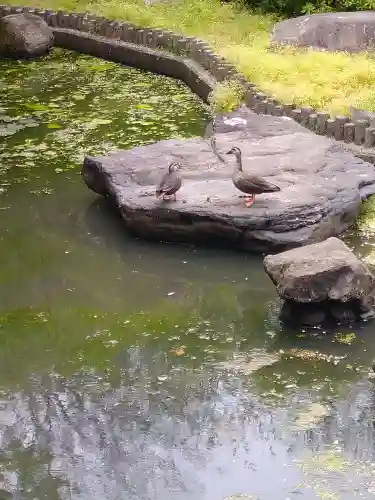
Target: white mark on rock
[234, 121]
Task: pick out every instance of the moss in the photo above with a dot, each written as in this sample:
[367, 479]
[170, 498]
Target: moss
[345, 338]
[366, 221]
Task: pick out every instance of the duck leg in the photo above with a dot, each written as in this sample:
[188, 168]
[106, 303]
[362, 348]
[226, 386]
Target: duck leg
[250, 201]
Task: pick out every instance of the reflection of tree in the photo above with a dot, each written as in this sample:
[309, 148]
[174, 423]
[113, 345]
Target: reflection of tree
[151, 423]
[148, 433]
[141, 436]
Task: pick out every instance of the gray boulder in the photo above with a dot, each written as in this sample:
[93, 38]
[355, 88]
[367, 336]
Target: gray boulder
[320, 281]
[322, 186]
[24, 36]
[349, 31]
[362, 114]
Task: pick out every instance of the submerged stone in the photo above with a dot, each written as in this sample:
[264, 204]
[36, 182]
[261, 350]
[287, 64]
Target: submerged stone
[322, 281]
[24, 35]
[309, 417]
[322, 186]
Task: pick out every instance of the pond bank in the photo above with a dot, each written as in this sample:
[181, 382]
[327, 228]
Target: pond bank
[104, 38]
[325, 81]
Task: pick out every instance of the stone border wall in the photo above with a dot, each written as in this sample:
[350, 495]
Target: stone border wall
[188, 59]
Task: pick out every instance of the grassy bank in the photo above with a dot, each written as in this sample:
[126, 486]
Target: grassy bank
[325, 81]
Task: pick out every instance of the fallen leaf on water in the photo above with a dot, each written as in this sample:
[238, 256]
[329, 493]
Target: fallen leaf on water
[143, 106]
[53, 125]
[308, 355]
[178, 351]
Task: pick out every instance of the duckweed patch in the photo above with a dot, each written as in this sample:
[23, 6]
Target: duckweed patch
[345, 338]
[56, 110]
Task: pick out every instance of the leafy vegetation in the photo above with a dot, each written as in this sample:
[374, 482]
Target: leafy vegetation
[329, 81]
[227, 96]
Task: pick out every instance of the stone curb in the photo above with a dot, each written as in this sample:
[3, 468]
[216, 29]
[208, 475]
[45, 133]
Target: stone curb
[188, 59]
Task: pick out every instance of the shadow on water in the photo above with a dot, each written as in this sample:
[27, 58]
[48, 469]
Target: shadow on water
[136, 370]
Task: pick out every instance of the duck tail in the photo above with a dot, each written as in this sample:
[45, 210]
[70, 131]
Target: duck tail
[272, 188]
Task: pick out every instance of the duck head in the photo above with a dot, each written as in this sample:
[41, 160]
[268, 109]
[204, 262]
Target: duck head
[234, 151]
[174, 167]
[237, 153]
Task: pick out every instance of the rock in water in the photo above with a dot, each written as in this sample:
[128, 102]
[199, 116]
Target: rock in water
[322, 280]
[322, 186]
[24, 36]
[349, 31]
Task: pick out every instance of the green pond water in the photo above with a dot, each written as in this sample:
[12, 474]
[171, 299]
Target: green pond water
[139, 371]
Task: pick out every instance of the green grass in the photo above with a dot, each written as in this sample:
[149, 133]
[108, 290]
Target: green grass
[227, 96]
[366, 221]
[326, 81]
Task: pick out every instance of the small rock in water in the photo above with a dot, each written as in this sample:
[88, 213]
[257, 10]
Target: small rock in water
[320, 281]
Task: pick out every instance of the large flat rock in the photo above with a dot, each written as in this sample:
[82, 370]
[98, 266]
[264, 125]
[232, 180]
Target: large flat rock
[349, 31]
[322, 186]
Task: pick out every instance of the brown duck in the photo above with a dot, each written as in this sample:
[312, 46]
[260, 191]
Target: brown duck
[249, 184]
[170, 182]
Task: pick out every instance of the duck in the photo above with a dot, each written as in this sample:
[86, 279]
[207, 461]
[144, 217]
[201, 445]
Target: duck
[170, 183]
[249, 184]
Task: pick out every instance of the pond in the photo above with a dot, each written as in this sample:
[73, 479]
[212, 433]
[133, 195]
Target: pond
[139, 371]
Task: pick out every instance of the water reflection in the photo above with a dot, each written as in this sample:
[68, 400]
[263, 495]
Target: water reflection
[135, 370]
[113, 388]
[154, 430]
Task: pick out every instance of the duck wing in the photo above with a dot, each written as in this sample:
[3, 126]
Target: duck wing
[169, 184]
[252, 184]
[261, 184]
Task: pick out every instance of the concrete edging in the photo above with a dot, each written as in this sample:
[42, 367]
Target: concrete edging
[188, 59]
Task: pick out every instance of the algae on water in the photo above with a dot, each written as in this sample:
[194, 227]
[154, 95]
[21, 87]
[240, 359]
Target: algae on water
[66, 105]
